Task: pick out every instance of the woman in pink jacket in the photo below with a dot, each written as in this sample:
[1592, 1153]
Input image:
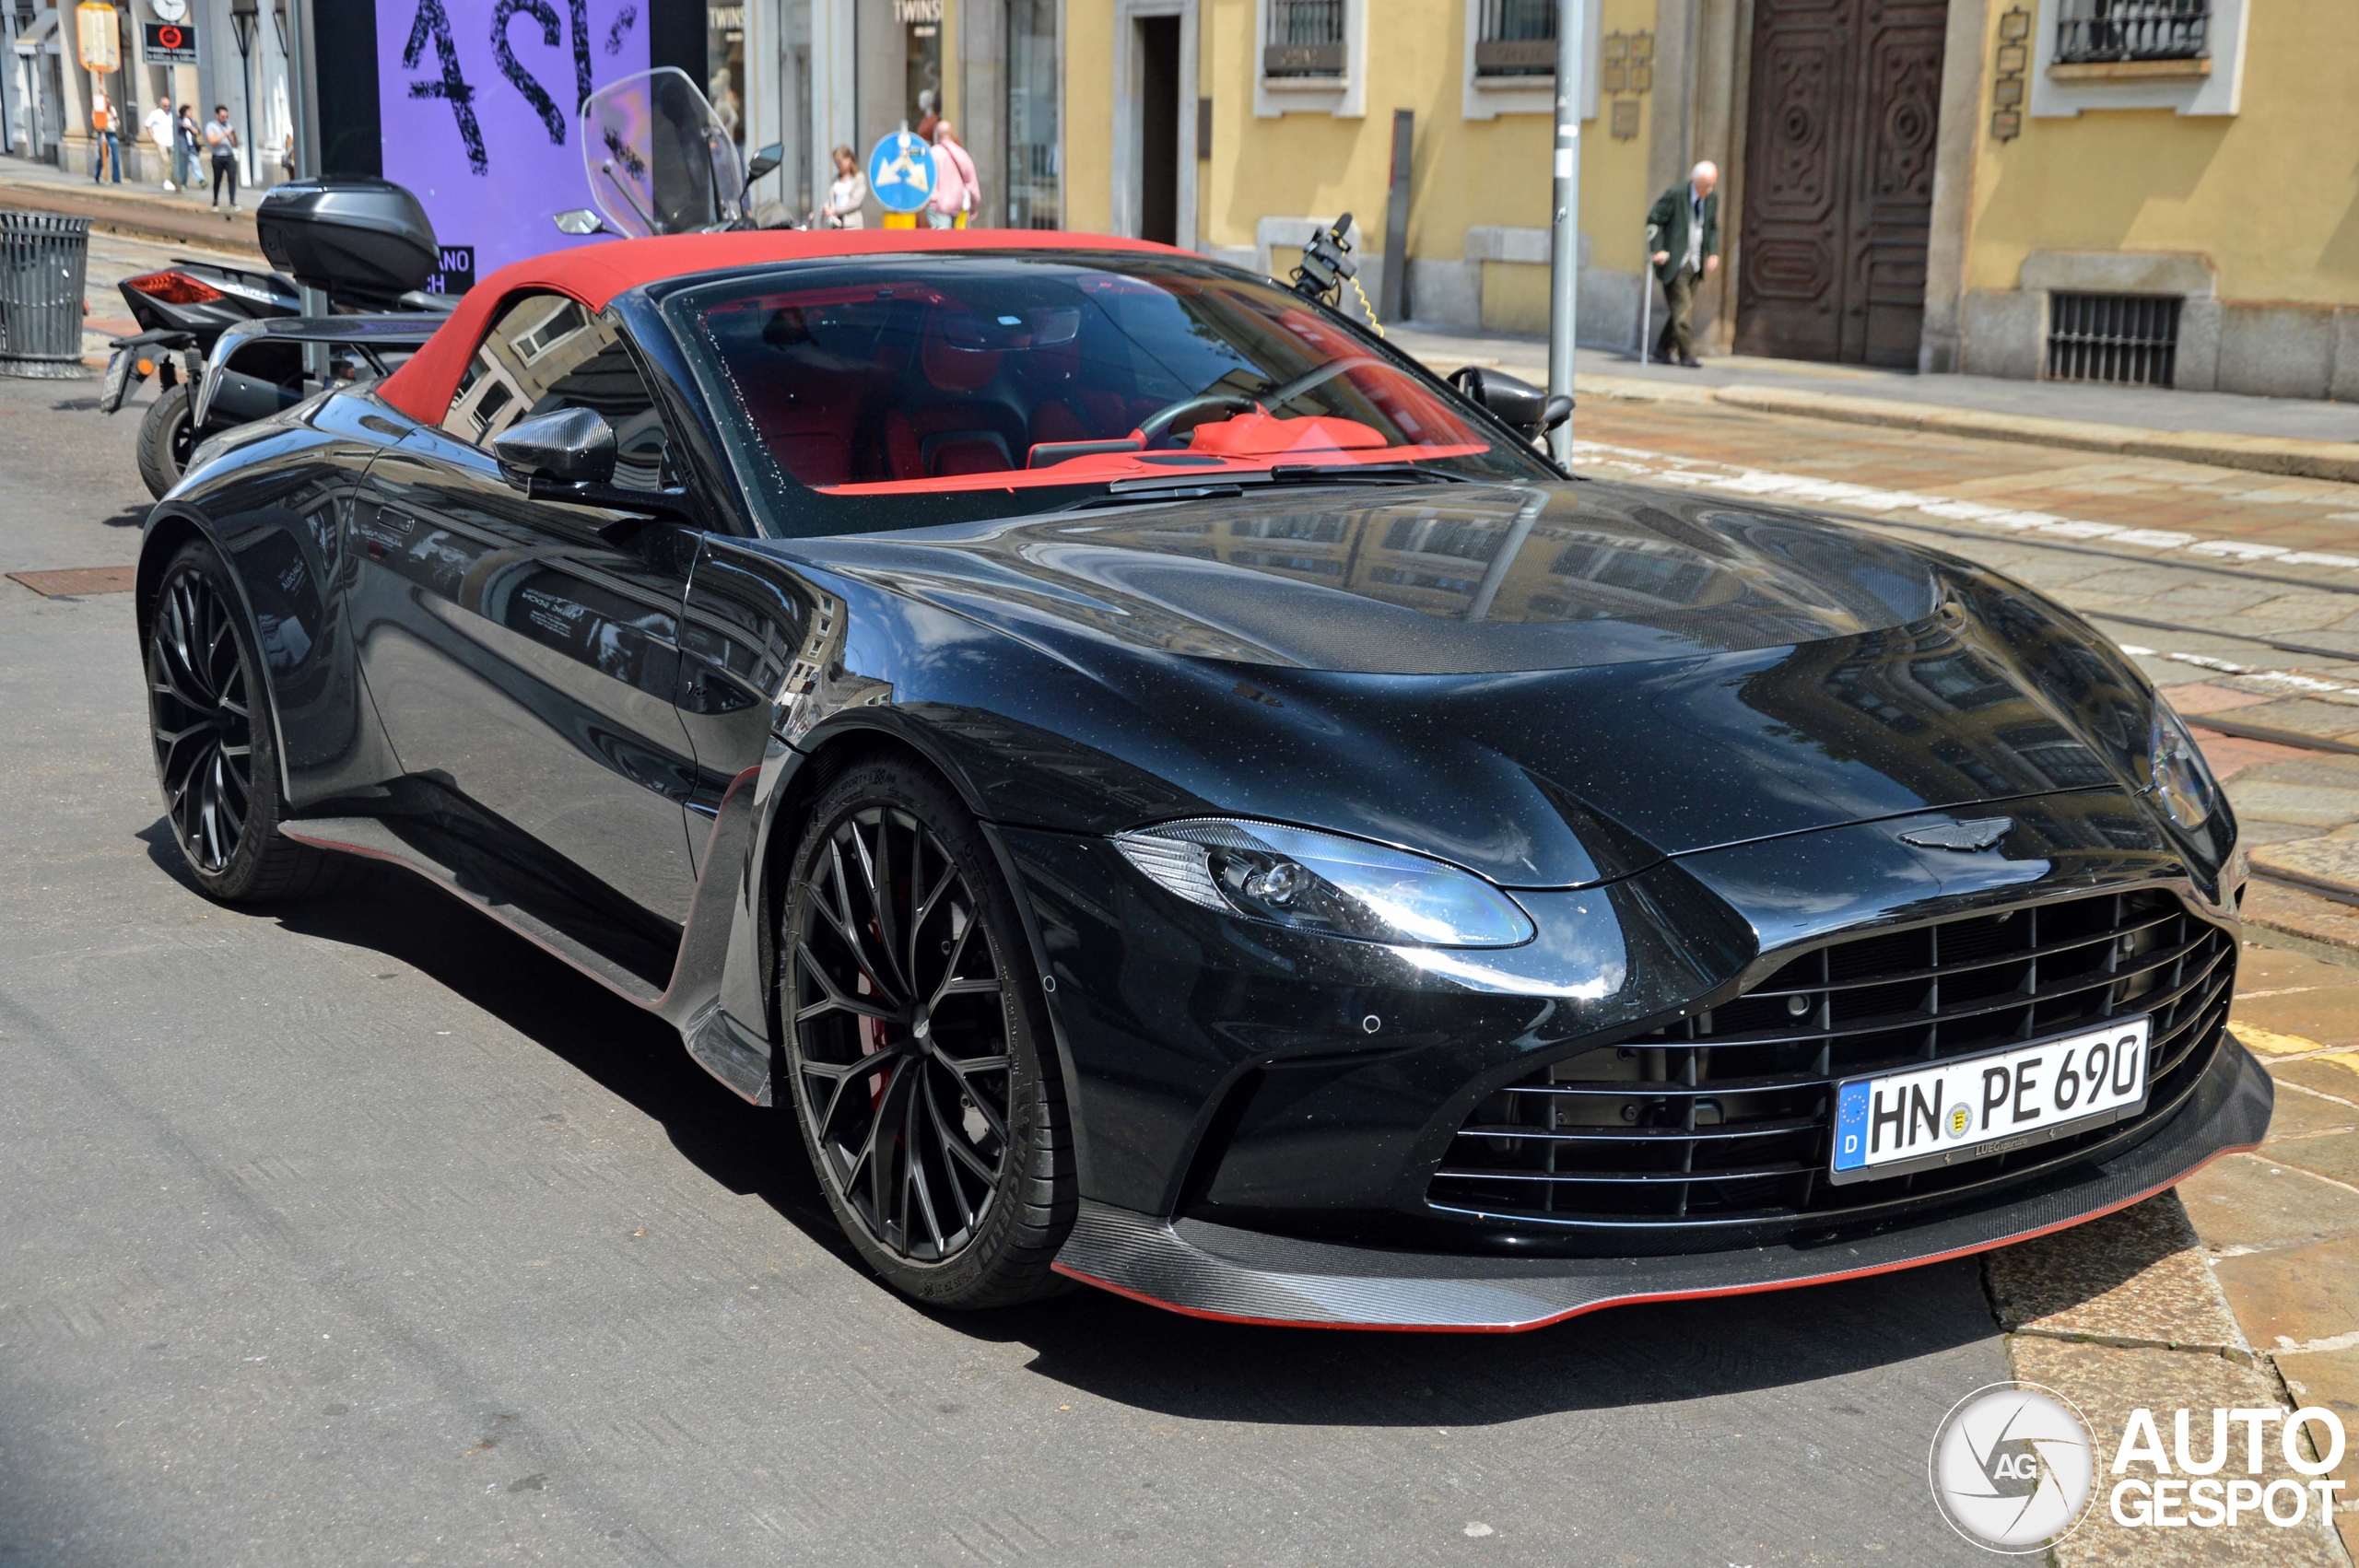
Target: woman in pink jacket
[955, 191]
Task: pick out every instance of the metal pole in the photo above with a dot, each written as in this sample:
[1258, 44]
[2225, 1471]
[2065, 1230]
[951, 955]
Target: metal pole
[303, 88]
[1393, 291]
[303, 105]
[1564, 246]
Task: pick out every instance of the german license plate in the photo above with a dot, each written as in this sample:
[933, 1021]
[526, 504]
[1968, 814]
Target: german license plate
[118, 374]
[1921, 1118]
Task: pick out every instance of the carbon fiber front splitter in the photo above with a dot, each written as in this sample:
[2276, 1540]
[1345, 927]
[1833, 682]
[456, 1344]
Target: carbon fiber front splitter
[1210, 1270]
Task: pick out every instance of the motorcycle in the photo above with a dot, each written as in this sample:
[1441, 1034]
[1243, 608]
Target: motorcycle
[184, 309]
[658, 160]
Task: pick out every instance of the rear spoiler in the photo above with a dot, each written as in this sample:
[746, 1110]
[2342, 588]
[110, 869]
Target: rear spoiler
[368, 336]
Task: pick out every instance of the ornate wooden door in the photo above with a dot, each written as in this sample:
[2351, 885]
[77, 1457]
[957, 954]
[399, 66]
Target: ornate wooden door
[1838, 179]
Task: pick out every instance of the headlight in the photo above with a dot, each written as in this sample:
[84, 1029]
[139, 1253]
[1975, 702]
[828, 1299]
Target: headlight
[2181, 781]
[1319, 882]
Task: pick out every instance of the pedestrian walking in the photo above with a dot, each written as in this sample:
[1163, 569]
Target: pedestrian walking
[1684, 226]
[956, 188]
[160, 126]
[221, 140]
[106, 137]
[848, 194]
[186, 138]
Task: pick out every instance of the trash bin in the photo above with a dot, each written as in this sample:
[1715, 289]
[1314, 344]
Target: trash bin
[44, 256]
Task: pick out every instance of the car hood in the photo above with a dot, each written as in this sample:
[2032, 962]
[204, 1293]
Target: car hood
[1552, 685]
[1445, 578]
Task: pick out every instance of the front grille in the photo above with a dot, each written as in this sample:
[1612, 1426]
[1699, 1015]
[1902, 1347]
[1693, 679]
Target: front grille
[1726, 1115]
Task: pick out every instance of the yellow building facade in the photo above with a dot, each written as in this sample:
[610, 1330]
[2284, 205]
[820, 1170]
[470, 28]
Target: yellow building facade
[1267, 151]
[2226, 182]
[2158, 190]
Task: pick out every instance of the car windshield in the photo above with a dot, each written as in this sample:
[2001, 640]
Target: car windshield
[905, 390]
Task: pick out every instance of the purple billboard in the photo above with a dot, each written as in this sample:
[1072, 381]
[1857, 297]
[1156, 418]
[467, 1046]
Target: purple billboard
[481, 105]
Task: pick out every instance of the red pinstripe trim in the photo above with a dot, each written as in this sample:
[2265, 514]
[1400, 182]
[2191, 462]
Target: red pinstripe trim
[1071, 1272]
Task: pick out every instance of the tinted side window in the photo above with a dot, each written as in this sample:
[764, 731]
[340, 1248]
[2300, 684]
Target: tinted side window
[545, 353]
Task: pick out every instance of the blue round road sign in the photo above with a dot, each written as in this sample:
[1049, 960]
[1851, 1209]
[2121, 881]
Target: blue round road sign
[901, 171]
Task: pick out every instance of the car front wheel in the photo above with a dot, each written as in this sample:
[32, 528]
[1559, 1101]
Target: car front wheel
[923, 1080]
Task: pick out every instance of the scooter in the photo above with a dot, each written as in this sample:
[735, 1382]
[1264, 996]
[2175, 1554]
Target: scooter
[658, 160]
[184, 309]
[181, 310]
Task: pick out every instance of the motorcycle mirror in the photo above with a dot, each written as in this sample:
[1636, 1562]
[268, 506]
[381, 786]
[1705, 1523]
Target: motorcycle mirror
[765, 162]
[1516, 401]
[581, 221]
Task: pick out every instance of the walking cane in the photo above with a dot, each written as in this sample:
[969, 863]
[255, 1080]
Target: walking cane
[1646, 298]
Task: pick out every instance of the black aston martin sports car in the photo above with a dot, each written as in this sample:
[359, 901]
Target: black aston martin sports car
[1160, 789]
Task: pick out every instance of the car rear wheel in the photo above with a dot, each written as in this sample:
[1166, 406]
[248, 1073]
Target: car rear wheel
[166, 435]
[215, 756]
[923, 1082]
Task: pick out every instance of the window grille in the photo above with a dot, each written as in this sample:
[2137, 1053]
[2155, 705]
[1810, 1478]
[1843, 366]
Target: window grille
[1519, 39]
[1306, 38]
[2131, 339]
[2092, 30]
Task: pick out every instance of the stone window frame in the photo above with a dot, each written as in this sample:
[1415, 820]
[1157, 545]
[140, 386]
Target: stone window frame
[1344, 96]
[1487, 99]
[2133, 85]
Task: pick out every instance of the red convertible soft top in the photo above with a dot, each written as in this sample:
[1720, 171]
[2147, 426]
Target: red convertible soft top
[595, 274]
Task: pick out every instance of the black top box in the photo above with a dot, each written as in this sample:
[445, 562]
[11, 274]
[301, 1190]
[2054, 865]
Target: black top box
[365, 240]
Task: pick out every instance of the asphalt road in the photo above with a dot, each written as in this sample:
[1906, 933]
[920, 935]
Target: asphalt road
[358, 1231]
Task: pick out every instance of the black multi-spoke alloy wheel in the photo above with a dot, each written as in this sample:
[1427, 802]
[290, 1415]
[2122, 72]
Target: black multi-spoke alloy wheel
[921, 1078]
[166, 435]
[215, 756]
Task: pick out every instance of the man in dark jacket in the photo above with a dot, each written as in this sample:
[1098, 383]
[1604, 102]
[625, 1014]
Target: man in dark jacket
[1683, 233]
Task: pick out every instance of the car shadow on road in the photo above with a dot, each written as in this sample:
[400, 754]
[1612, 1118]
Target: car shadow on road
[632, 1054]
[1137, 1355]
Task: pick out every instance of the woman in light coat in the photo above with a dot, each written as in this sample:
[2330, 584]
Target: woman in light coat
[847, 195]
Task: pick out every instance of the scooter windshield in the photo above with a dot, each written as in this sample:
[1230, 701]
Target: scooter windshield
[659, 160]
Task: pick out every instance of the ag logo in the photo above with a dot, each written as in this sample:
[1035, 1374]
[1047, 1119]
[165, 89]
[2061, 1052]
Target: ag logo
[2013, 1468]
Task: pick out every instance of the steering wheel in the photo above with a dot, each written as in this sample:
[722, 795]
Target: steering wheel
[1158, 425]
[1278, 397]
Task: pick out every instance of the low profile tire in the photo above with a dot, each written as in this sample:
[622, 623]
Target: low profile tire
[921, 1078]
[166, 437]
[216, 756]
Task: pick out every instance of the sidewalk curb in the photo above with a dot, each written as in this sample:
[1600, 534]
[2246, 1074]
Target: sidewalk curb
[137, 217]
[2337, 461]
[2301, 921]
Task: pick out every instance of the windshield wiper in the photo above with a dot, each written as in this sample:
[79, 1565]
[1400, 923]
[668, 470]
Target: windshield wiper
[1146, 492]
[1367, 473]
[1198, 487]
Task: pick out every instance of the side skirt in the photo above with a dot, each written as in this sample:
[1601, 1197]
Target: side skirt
[689, 1002]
